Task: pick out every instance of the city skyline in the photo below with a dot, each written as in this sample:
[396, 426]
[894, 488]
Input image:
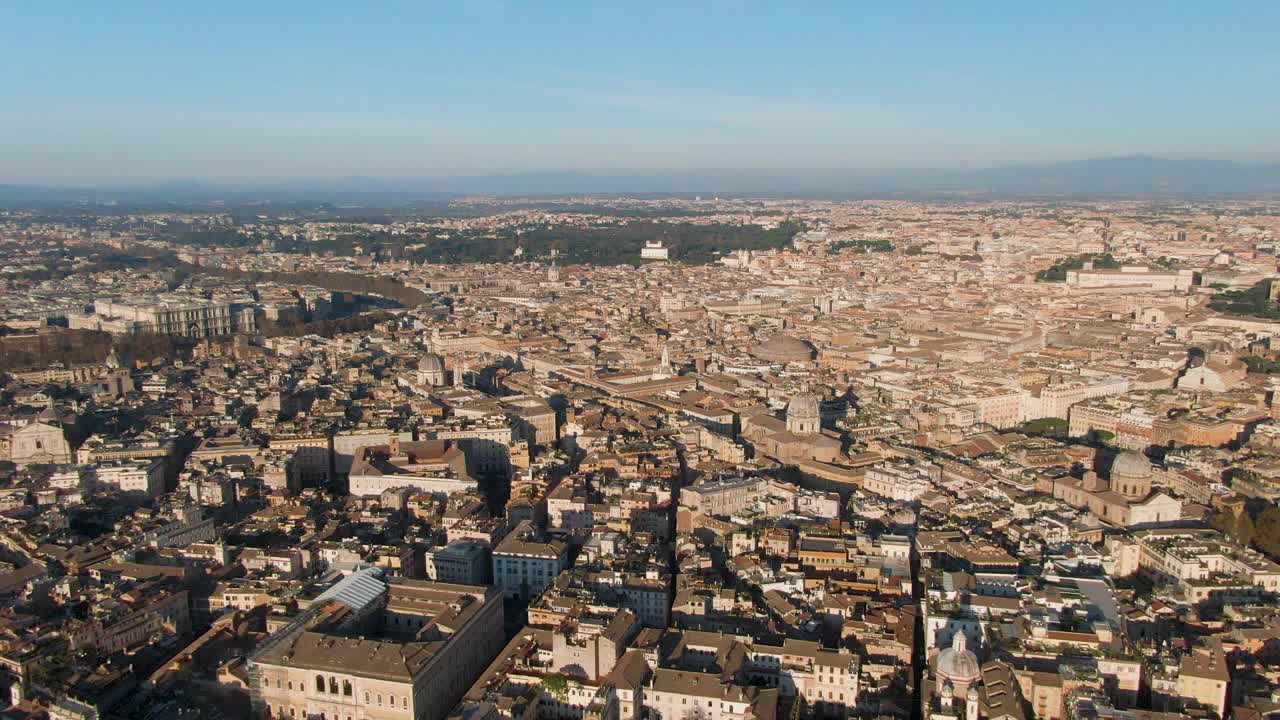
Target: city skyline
[661, 458]
[606, 361]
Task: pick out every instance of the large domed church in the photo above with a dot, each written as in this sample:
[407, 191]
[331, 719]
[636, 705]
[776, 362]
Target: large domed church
[431, 371]
[783, 349]
[796, 437]
[1125, 499]
[958, 687]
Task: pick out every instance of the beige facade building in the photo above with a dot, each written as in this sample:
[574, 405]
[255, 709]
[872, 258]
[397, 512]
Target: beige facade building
[1131, 277]
[1217, 374]
[38, 443]
[166, 315]
[397, 650]
[1203, 678]
[901, 481]
[434, 466]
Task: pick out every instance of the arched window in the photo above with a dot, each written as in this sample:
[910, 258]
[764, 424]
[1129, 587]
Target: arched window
[319, 683]
[346, 688]
[333, 685]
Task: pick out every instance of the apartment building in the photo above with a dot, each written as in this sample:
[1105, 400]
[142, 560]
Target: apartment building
[526, 561]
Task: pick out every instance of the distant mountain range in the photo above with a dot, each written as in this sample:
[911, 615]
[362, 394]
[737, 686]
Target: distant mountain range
[1135, 176]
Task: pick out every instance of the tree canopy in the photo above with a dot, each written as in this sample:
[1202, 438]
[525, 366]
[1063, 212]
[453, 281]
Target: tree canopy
[1058, 271]
[608, 244]
[1253, 302]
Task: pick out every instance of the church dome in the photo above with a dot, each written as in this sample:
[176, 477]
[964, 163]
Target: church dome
[958, 664]
[430, 363]
[803, 405]
[1131, 464]
[783, 348]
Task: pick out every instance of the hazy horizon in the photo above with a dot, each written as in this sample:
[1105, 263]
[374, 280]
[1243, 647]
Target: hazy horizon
[870, 175]
[240, 93]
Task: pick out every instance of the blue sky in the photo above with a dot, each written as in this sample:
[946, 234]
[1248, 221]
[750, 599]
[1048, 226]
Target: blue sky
[230, 91]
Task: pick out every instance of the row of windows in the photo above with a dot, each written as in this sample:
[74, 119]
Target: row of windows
[523, 562]
[332, 688]
[710, 704]
[293, 713]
